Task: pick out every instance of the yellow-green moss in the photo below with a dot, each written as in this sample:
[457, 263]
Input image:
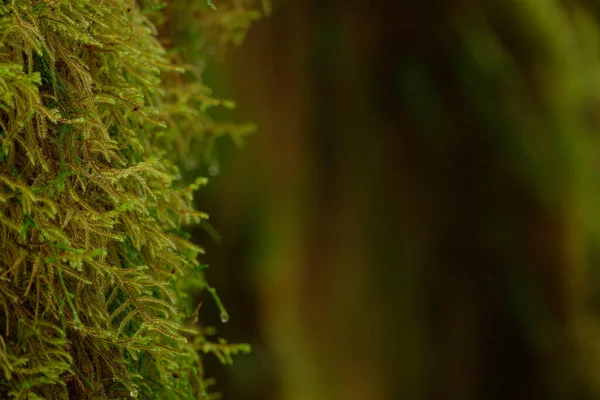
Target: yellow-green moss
[95, 268]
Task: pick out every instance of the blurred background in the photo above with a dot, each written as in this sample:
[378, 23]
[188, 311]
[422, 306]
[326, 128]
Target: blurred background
[417, 214]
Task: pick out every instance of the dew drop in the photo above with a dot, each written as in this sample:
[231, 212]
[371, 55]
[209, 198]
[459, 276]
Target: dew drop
[134, 393]
[224, 317]
[213, 170]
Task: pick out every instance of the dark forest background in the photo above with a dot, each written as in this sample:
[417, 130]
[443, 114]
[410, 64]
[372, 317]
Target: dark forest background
[416, 216]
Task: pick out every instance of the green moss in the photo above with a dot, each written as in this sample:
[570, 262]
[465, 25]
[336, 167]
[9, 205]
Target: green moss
[95, 268]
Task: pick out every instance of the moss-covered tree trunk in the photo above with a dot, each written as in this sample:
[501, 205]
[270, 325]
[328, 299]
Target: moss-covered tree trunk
[97, 274]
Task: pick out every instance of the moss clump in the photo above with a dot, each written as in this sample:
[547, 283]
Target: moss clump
[94, 265]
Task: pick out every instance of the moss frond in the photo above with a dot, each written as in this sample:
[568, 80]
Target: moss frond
[96, 117]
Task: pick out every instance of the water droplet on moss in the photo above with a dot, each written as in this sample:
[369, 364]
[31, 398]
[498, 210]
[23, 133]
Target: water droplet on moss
[213, 169]
[77, 325]
[134, 393]
[224, 317]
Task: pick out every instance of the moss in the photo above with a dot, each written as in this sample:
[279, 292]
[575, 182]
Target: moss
[96, 270]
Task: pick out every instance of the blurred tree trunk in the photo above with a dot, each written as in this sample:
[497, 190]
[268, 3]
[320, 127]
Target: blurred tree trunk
[429, 185]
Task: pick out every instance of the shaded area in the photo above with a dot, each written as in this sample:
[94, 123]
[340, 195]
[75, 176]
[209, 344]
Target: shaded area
[416, 217]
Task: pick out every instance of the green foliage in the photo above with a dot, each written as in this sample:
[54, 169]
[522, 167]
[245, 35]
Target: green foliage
[95, 268]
